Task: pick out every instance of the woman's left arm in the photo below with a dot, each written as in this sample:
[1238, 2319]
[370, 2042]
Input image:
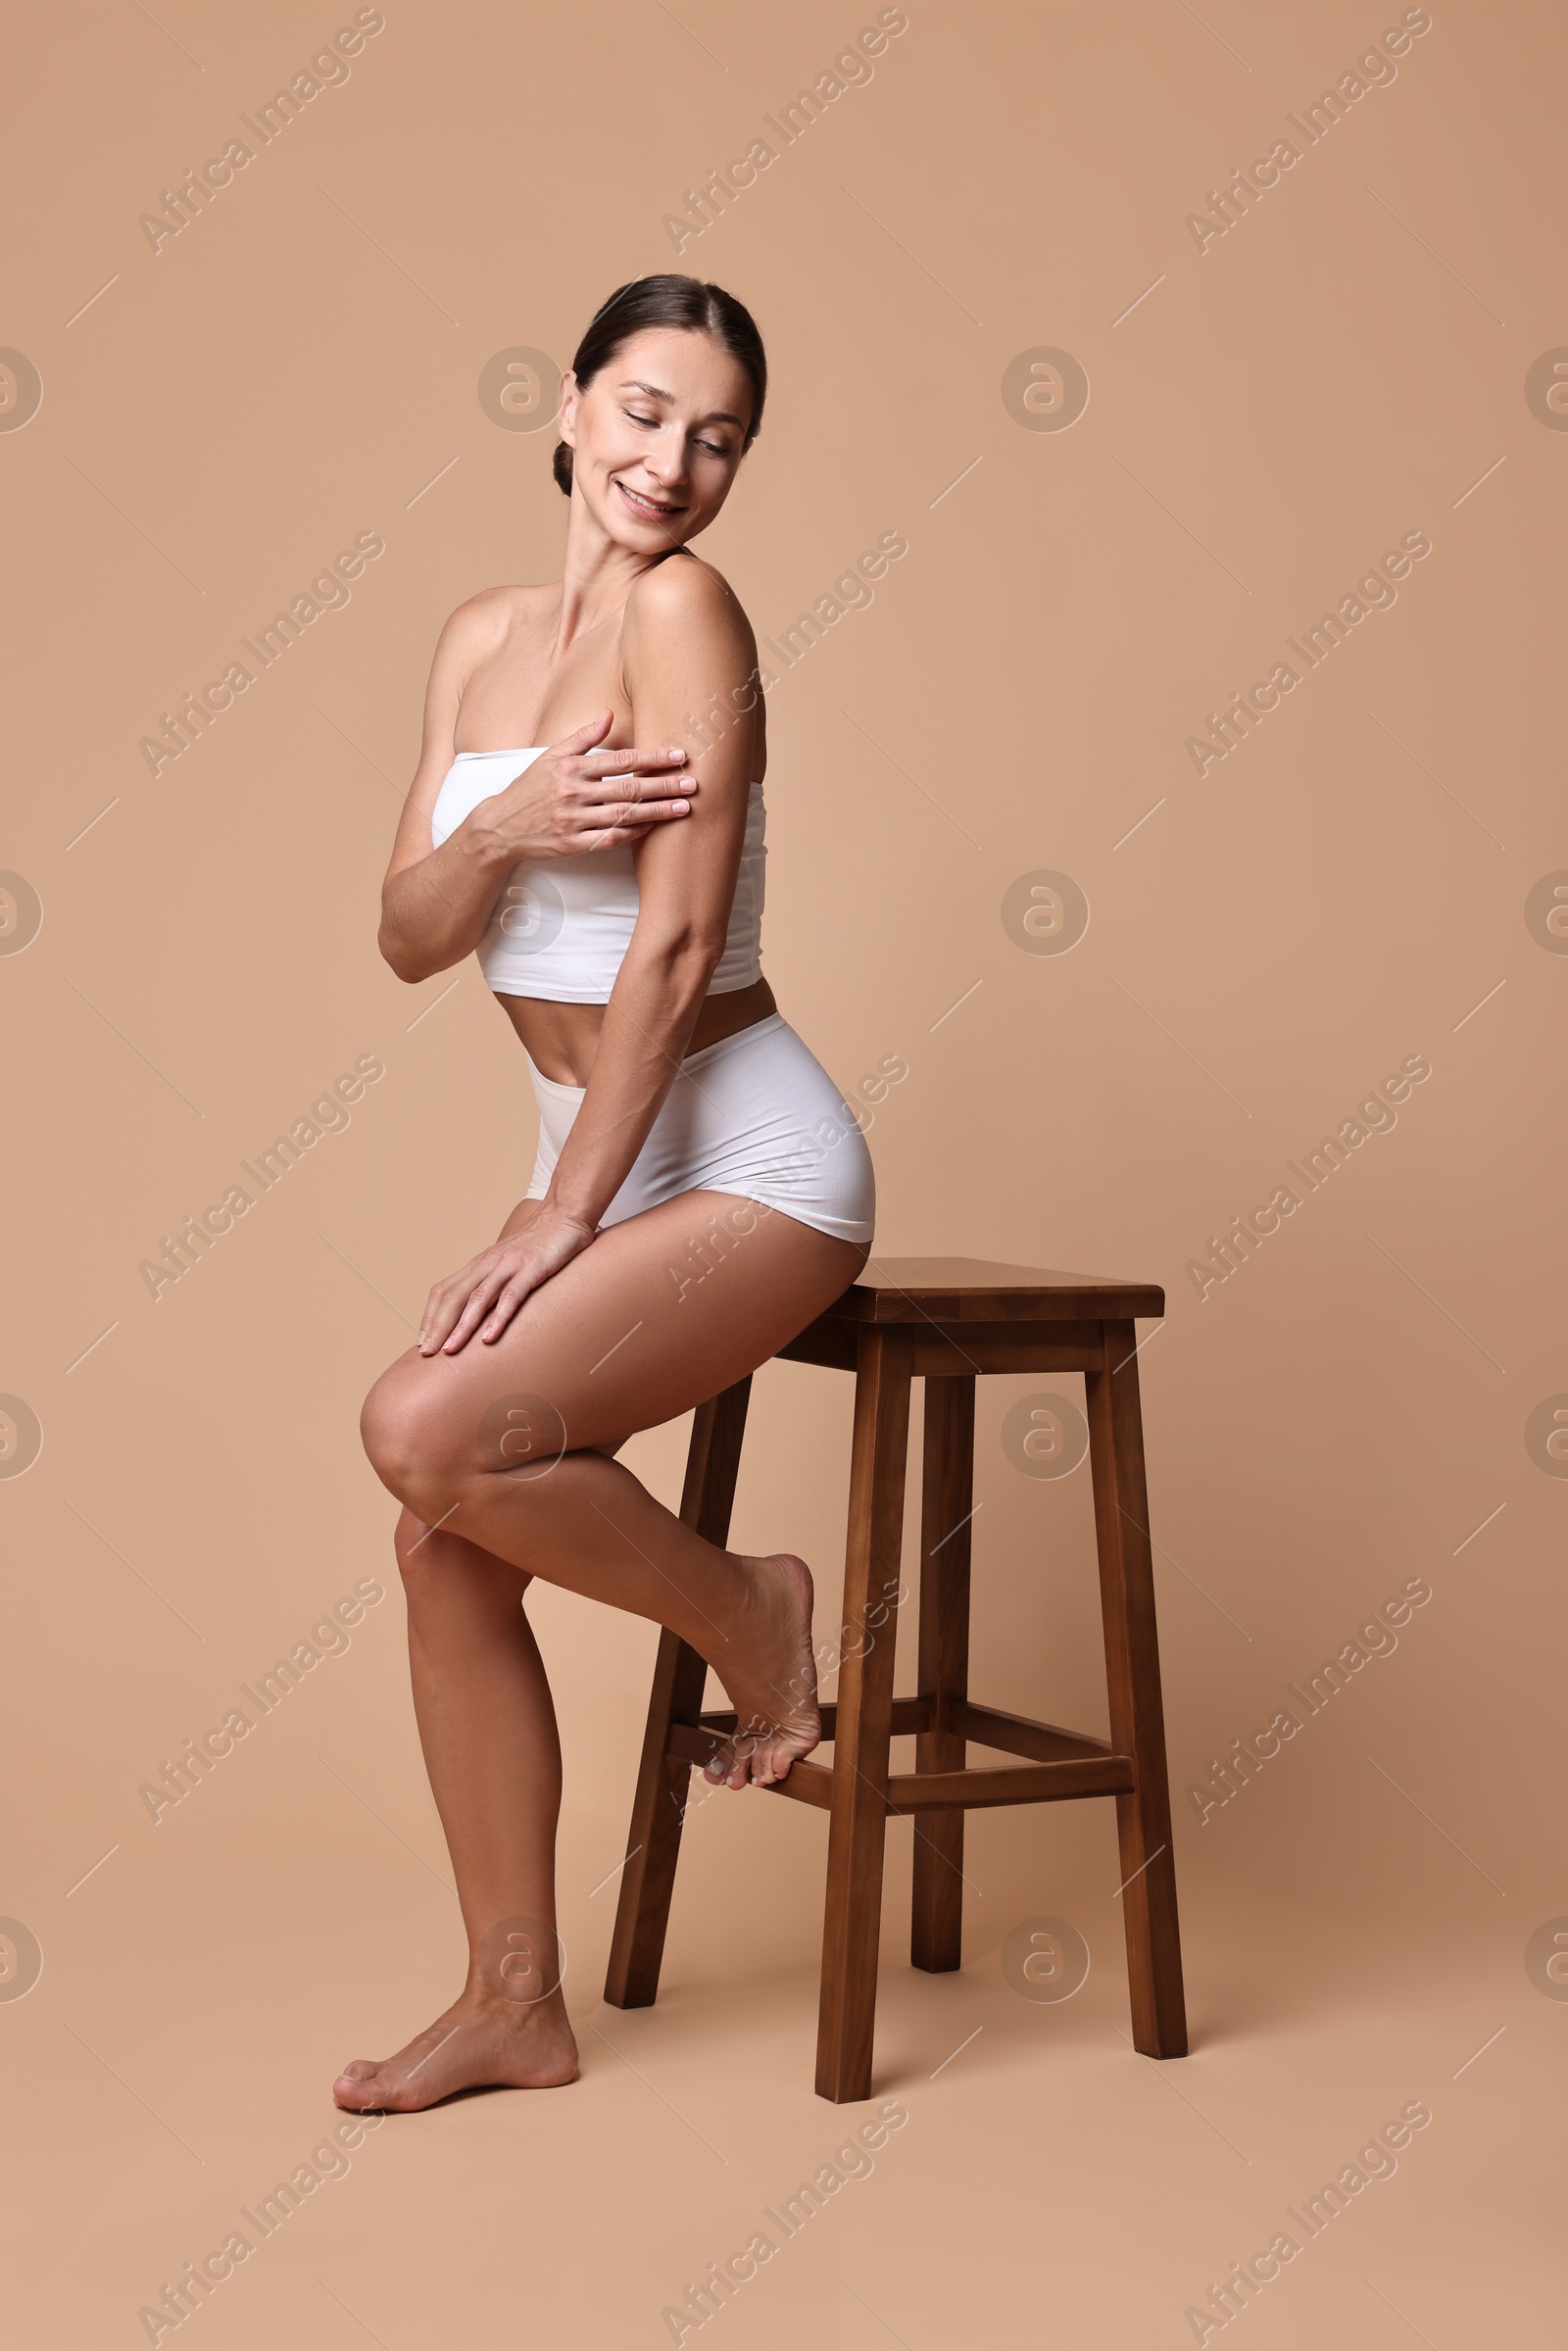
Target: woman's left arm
[686, 646]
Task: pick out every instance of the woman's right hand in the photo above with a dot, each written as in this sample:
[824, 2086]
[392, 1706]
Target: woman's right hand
[484, 1294]
[575, 799]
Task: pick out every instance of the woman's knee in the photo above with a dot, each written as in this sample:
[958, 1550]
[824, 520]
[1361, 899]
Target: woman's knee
[408, 1441]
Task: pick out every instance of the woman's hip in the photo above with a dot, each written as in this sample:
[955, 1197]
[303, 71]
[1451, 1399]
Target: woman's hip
[755, 1114]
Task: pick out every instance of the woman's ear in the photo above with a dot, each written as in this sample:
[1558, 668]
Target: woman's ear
[566, 410]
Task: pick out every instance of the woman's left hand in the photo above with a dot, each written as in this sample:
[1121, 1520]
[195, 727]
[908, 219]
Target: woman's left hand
[484, 1294]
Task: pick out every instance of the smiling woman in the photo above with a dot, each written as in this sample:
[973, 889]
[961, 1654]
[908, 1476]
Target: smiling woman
[614, 896]
[667, 301]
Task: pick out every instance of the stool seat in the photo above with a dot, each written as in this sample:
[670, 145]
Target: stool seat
[946, 1321]
[974, 1289]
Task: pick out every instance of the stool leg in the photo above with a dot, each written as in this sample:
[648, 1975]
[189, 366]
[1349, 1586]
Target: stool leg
[864, 1723]
[659, 1809]
[1137, 1711]
[947, 1502]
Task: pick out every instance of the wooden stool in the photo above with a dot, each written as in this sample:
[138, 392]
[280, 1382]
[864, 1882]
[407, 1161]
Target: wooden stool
[946, 1321]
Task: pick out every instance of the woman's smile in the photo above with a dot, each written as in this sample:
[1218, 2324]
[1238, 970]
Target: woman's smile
[642, 504]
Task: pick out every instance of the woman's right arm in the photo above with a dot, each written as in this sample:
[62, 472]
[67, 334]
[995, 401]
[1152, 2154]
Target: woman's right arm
[436, 903]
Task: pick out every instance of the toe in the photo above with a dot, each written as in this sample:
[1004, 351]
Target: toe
[356, 2086]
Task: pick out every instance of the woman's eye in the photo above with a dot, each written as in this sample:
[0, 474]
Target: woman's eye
[714, 447]
[636, 420]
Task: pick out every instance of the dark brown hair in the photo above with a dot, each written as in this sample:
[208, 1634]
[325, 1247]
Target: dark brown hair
[669, 301]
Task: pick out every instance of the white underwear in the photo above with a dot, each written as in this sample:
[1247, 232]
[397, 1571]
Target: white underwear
[756, 1114]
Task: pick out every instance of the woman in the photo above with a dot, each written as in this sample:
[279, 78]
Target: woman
[701, 1193]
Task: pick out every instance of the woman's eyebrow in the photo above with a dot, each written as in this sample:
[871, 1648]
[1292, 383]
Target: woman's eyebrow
[719, 415]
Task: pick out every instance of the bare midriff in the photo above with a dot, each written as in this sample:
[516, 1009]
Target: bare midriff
[561, 1041]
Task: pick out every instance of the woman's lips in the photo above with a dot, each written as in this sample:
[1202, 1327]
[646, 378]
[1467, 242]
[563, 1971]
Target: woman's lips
[646, 506]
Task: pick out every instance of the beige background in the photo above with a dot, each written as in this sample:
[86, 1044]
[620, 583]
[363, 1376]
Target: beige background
[1266, 416]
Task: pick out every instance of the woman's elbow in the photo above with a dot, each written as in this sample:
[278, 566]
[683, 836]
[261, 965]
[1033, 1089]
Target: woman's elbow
[689, 958]
[400, 957]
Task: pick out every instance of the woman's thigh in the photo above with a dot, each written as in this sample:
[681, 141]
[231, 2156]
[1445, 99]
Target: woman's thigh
[656, 1315]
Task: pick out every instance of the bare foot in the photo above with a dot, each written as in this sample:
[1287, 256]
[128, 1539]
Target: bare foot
[771, 1675]
[482, 2041]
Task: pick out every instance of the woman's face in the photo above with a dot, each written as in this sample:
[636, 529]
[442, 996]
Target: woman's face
[656, 436]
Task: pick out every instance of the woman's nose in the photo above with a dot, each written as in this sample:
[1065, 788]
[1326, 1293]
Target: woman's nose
[666, 462]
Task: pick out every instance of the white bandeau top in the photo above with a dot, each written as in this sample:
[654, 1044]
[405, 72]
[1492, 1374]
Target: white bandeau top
[562, 925]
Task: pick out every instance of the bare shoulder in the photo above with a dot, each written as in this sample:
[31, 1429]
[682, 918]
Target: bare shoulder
[684, 591]
[482, 622]
[686, 645]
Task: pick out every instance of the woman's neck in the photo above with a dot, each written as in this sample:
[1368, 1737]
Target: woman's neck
[598, 576]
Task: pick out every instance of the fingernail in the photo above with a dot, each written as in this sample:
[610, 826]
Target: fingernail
[676, 752]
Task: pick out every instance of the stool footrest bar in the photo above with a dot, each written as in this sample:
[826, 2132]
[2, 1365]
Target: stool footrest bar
[1096, 1773]
[1010, 1784]
[909, 1715]
[981, 1726]
[1016, 1735]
